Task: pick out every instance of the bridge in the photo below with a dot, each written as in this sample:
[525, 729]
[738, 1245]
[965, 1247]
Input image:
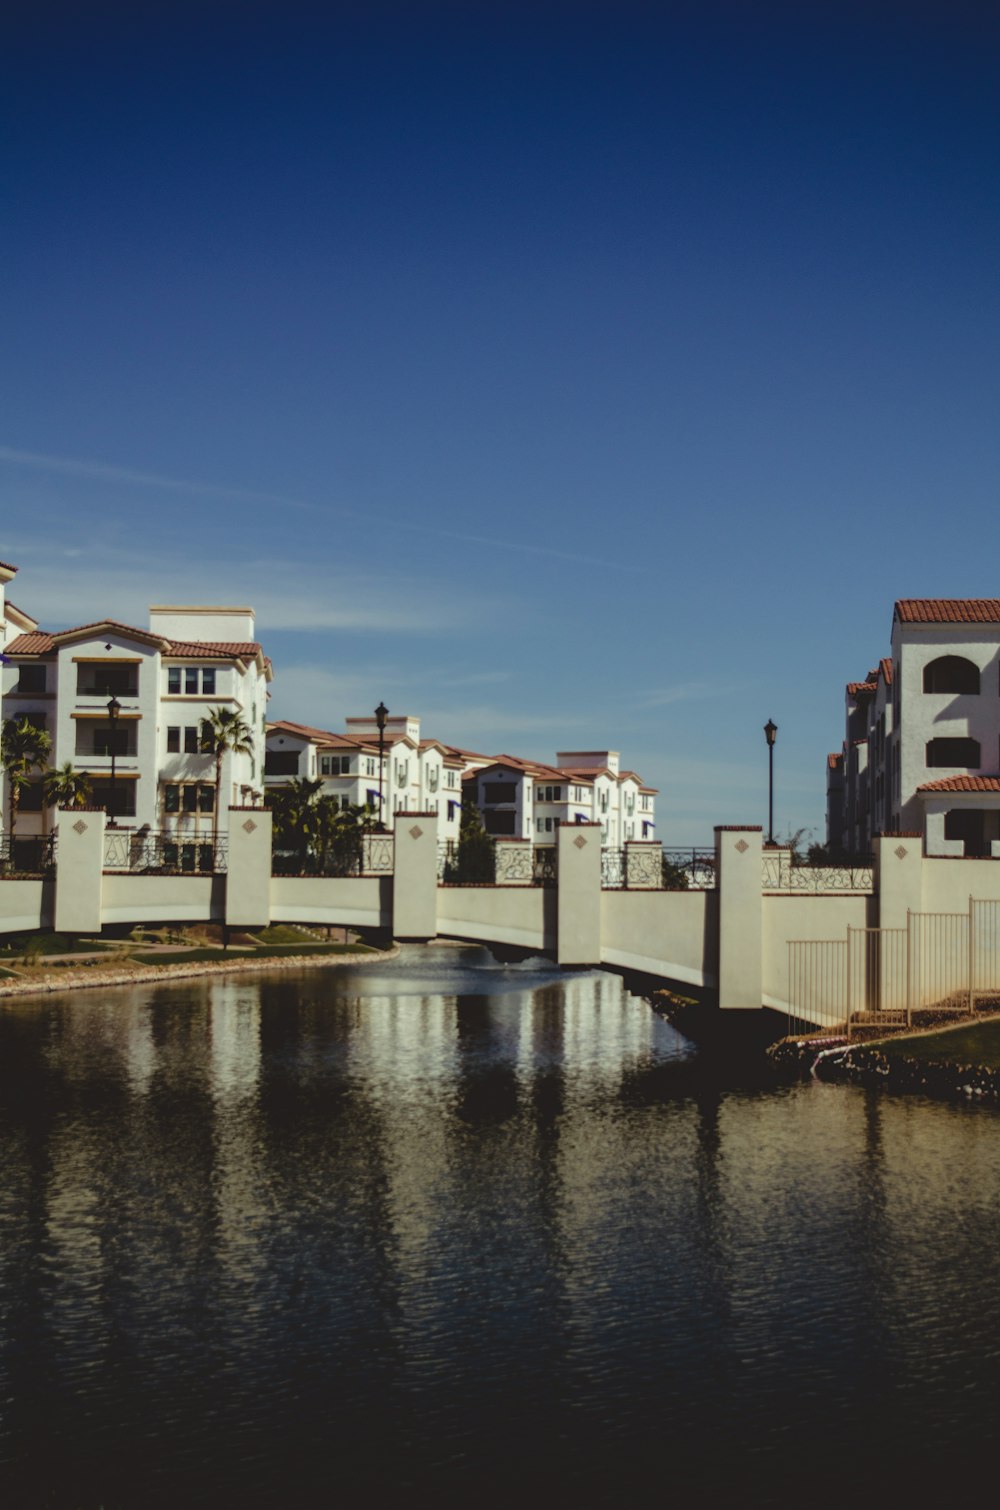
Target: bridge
[753, 931]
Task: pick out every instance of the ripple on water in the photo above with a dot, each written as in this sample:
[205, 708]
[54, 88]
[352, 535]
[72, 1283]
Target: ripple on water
[477, 1227]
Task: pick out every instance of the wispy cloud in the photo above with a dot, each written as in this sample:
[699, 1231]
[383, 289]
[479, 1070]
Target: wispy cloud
[98, 471]
[684, 692]
[58, 590]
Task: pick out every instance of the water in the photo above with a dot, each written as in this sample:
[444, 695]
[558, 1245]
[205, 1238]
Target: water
[495, 1235]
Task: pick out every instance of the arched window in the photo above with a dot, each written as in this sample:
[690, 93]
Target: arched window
[951, 673]
[963, 753]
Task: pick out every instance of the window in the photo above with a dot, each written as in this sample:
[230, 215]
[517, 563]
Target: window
[335, 765]
[953, 752]
[191, 680]
[171, 798]
[281, 763]
[208, 684]
[102, 680]
[191, 739]
[951, 673]
[206, 799]
[499, 791]
[123, 805]
[174, 681]
[31, 679]
[30, 800]
[100, 739]
[189, 799]
[452, 810]
[173, 739]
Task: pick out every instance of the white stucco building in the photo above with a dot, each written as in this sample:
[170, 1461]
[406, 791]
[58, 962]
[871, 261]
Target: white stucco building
[922, 743]
[529, 800]
[166, 679]
[418, 775]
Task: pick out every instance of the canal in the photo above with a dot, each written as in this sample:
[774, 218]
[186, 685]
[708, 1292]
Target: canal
[492, 1234]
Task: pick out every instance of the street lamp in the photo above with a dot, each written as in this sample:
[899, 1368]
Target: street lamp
[381, 714]
[770, 734]
[114, 708]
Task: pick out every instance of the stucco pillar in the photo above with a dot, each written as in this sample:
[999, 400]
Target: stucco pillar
[741, 913]
[899, 869]
[79, 866]
[578, 935]
[248, 883]
[515, 862]
[414, 879]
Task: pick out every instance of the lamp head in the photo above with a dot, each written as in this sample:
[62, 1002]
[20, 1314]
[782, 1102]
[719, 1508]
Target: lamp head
[381, 714]
[114, 708]
[770, 731]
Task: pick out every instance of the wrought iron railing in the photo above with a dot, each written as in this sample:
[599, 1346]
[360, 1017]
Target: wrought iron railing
[150, 852]
[696, 866]
[612, 869]
[778, 874]
[467, 864]
[366, 855]
[545, 865]
[27, 859]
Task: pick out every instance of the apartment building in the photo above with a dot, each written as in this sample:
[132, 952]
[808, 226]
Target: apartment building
[528, 799]
[143, 755]
[921, 751]
[417, 775]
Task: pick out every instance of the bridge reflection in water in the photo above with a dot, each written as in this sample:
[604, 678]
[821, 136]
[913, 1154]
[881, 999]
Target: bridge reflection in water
[467, 1228]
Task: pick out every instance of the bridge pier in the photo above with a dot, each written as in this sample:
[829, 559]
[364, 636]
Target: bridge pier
[740, 918]
[414, 880]
[79, 876]
[248, 880]
[578, 928]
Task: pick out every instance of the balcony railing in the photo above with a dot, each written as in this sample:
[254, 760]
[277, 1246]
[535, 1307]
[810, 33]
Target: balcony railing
[27, 859]
[778, 874]
[368, 855]
[148, 852]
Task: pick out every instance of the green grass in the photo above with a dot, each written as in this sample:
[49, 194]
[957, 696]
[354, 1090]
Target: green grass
[48, 943]
[280, 933]
[7, 974]
[975, 1043]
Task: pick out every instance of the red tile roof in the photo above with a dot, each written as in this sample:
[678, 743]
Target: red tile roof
[861, 689]
[947, 610]
[833, 761]
[885, 666]
[244, 650]
[962, 784]
[41, 643]
[30, 644]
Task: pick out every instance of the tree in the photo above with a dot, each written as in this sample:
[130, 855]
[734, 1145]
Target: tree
[221, 730]
[476, 858]
[67, 787]
[298, 815]
[23, 748]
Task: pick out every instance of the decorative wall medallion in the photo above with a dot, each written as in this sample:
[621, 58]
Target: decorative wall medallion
[79, 827]
[742, 846]
[416, 832]
[249, 826]
[580, 842]
[900, 852]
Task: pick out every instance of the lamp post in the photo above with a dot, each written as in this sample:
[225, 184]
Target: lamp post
[381, 714]
[770, 734]
[114, 708]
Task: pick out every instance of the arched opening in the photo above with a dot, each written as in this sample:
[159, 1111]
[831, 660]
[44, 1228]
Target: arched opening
[963, 753]
[951, 673]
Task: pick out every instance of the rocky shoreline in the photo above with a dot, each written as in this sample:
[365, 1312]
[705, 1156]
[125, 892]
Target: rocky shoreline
[866, 1064]
[84, 977]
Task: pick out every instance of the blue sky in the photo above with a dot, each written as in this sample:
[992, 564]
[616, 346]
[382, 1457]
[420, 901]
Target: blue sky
[572, 375]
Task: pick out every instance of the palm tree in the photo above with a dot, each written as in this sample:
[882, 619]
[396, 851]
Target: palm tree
[23, 748]
[67, 787]
[299, 815]
[221, 730]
